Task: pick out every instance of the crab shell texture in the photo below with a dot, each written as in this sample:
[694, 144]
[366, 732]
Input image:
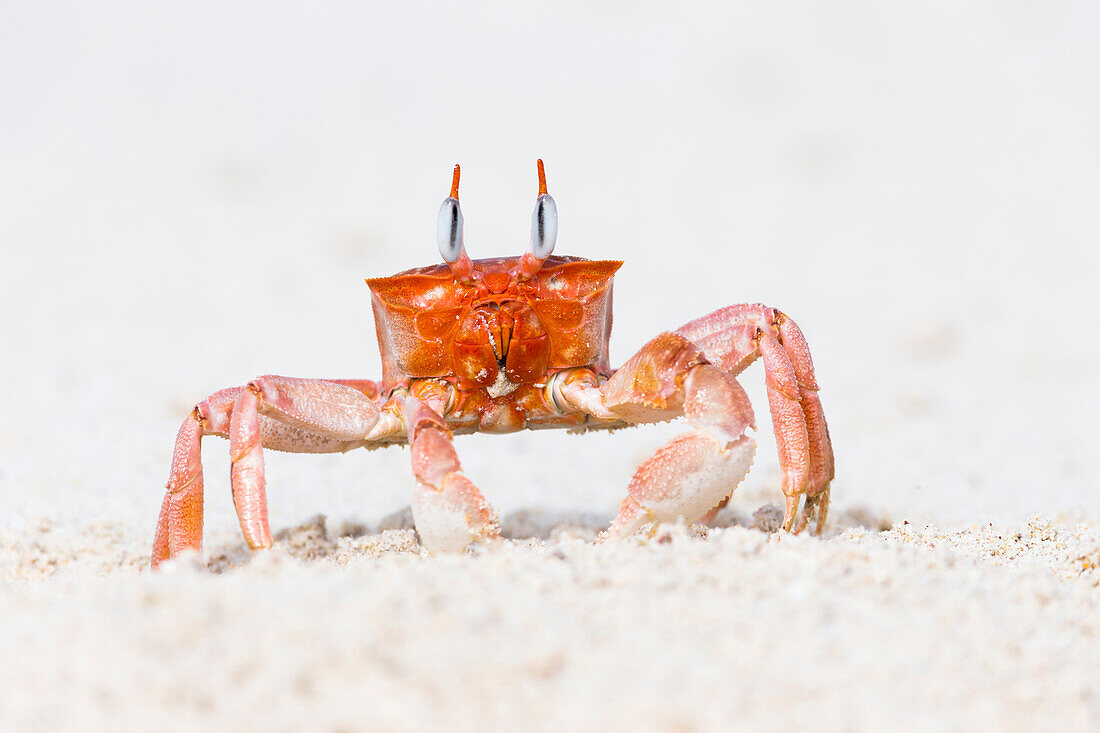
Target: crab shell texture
[497, 329]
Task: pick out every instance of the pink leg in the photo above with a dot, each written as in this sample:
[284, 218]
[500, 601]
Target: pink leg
[246, 454]
[297, 415]
[789, 423]
[695, 472]
[448, 510]
[179, 527]
[335, 412]
[733, 338]
[821, 446]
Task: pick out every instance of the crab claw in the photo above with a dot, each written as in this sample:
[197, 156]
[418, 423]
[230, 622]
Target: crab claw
[694, 472]
[683, 481]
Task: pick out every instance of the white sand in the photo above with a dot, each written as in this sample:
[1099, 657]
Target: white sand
[188, 200]
[911, 629]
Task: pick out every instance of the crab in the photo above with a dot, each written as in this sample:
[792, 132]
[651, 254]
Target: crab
[511, 343]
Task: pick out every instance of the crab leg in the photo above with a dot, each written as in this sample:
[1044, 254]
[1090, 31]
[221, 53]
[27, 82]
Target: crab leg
[333, 411]
[734, 337]
[296, 415]
[448, 509]
[694, 472]
[246, 455]
[789, 422]
[821, 446]
[179, 526]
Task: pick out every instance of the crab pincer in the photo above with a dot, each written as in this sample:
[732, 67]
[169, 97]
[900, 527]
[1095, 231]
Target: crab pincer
[694, 472]
[450, 512]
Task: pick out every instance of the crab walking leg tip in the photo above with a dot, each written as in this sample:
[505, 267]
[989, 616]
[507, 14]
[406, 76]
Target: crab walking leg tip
[791, 511]
[822, 510]
[804, 517]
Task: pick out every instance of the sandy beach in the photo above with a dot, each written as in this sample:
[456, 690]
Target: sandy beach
[911, 629]
[191, 199]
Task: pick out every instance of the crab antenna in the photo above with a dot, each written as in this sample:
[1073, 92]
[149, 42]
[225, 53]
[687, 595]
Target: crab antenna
[454, 181]
[542, 178]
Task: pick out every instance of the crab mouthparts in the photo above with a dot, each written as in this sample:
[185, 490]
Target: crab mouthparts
[500, 345]
[500, 326]
[502, 386]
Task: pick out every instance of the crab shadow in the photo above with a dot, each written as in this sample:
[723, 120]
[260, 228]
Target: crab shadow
[313, 540]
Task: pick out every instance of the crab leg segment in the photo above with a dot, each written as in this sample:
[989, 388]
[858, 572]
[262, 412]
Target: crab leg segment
[733, 338]
[448, 509]
[694, 472]
[179, 527]
[246, 454]
[789, 423]
[333, 411]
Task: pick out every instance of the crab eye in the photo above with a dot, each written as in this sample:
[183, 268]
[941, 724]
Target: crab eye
[544, 226]
[449, 230]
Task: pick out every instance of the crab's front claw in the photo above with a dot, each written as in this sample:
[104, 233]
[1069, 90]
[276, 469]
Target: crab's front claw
[694, 473]
[448, 510]
[683, 481]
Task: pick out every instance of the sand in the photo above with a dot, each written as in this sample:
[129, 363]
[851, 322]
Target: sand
[191, 198]
[911, 628]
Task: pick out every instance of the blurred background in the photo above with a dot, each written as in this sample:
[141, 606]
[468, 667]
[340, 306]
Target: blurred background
[192, 196]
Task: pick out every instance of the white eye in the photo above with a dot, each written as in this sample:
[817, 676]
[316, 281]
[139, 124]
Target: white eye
[448, 231]
[544, 227]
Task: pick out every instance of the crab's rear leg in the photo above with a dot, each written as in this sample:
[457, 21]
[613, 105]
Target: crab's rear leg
[734, 337]
[448, 509]
[283, 413]
[179, 526]
[694, 472]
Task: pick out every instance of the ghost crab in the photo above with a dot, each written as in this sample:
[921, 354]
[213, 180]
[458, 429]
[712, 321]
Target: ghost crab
[503, 344]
